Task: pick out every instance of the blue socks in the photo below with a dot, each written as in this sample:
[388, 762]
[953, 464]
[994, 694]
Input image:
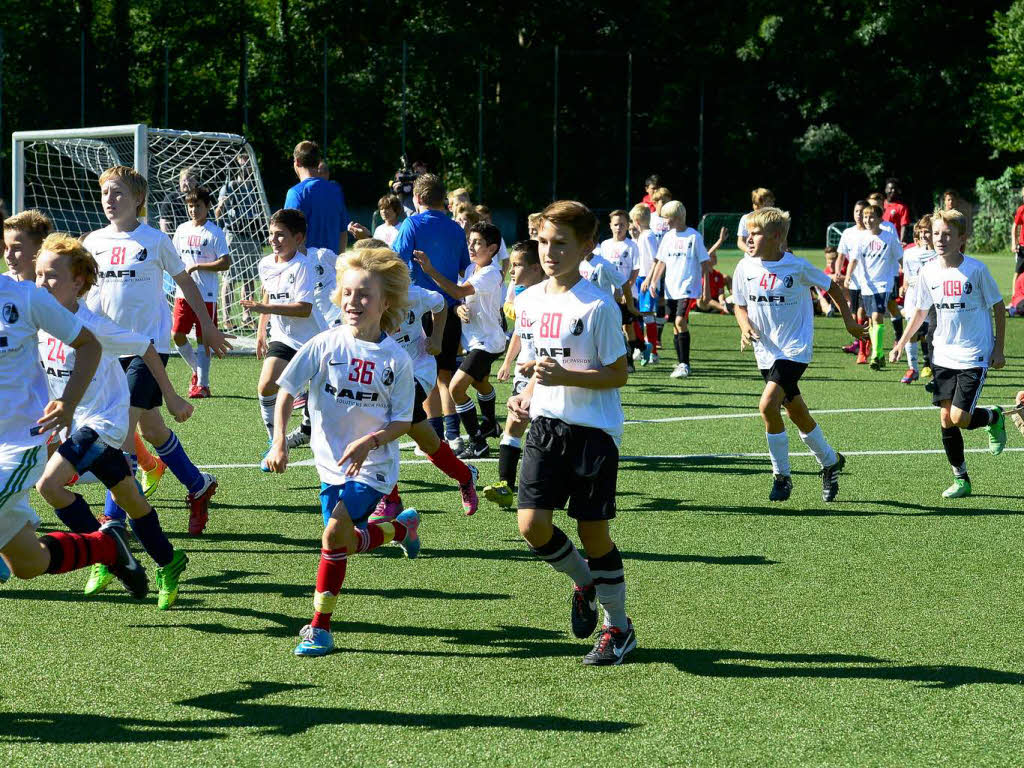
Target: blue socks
[152, 538]
[437, 422]
[78, 517]
[174, 456]
[451, 427]
[110, 509]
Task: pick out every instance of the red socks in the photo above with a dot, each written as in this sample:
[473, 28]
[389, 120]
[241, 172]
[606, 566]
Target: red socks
[447, 462]
[329, 577]
[71, 551]
[652, 335]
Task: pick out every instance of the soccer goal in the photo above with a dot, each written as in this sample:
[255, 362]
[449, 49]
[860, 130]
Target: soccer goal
[58, 171]
[835, 231]
[711, 225]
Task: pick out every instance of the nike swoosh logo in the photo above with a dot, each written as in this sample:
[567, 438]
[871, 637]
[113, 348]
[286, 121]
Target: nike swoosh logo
[751, 278]
[332, 362]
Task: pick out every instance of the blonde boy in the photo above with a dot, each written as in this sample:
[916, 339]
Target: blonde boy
[23, 236]
[759, 198]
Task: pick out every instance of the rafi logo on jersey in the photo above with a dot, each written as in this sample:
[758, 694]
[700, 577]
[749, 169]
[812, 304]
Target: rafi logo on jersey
[576, 327]
[58, 373]
[10, 313]
[278, 296]
[344, 393]
[387, 376]
[756, 299]
[116, 274]
[554, 352]
[788, 281]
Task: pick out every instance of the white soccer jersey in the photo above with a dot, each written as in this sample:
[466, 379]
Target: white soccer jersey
[741, 228]
[779, 305]
[413, 340]
[888, 226]
[200, 245]
[880, 255]
[624, 255]
[386, 232]
[914, 260]
[104, 406]
[289, 282]
[502, 253]
[603, 274]
[647, 247]
[683, 253]
[963, 298]
[130, 290]
[848, 243]
[659, 226]
[24, 311]
[355, 388]
[483, 331]
[581, 330]
[524, 330]
[325, 276]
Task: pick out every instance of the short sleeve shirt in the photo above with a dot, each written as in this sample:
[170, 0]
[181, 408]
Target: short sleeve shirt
[289, 282]
[483, 330]
[413, 340]
[441, 239]
[683, 253]
[200, 245]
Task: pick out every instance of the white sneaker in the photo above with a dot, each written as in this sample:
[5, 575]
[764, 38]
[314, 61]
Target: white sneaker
[419, 451]
[654, 358]
[637, 354]
[296, 438]
[456, 445]
[686, 369]
[679, 371]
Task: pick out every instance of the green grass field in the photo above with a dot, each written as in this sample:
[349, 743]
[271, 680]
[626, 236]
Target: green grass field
[882, 629]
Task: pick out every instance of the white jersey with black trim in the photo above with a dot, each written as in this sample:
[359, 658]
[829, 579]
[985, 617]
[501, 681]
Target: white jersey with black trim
[25, 310]
[779, 305]
[603, 274]
[581, 330]
[200, 244]
[413, 340]
[659, 227]
[104, 406]
[323, 262]
[683, 253]
[963, 298]
[130, 289]
[483, 331]
[647, 247]
[849, 241]
[624, 255]
[880, 255]
[524, 330]
[289, 282]
[355, 388]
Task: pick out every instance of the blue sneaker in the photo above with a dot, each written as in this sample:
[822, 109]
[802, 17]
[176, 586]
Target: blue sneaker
[410, 518]
[263, 461]
[5, 572]
[315, 642]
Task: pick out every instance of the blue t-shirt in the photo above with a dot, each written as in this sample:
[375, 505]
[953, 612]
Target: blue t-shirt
[323, 204]
[441, 239]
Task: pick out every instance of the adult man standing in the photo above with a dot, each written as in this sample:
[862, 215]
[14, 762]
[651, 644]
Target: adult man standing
[320, 200]
[894, 211]
[1017, 238]
[431, 231]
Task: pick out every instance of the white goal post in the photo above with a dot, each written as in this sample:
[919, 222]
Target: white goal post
[57, 171]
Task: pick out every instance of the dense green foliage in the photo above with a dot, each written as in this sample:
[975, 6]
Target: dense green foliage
[819, 100]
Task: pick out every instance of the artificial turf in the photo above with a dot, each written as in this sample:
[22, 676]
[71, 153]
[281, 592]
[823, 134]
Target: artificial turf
[881, 629]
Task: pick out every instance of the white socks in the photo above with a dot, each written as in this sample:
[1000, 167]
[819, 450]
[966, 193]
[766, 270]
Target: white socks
[823, 452]
[913, 353]
[778, 447]
[188, 355]
[267, 403]
[203, 362]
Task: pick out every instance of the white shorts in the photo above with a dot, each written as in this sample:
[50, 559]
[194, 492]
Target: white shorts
[19, 471]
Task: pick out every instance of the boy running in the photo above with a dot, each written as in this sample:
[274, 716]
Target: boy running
[23, 235]
[774, 310]
[571, 453]
[361, 388]
[966, 299]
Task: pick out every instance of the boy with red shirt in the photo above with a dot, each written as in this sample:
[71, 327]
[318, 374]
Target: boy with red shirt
[894, 211]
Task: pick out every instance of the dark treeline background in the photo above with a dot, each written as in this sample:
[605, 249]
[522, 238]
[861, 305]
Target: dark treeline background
[818, 100]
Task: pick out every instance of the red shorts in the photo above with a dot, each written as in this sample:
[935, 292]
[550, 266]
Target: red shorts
[184, 319]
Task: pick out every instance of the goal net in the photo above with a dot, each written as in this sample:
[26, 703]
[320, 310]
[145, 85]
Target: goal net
[58, 172]
[711, 225]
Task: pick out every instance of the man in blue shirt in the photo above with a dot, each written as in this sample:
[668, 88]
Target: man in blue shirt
[431, 231]
[320, 200]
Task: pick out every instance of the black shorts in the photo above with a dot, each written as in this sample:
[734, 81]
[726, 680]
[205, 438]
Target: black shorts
[280, 350]
[679, 308]
[894, 294]
[569, 463]
[87, 453]
[854, 301]
[477, 363]
[144, 391]
[786, 373]
[961, 386]
[627, 316]
[418, 399]
[450, 342]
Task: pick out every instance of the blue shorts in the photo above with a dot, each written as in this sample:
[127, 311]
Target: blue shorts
[359, 500]
[645, 303]
[875, 302]
[87, 453]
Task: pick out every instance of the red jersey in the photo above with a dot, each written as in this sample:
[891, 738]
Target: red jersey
[1018, 221]
[1018, 289]
[717, 283]
[649, 203]
[897, 214]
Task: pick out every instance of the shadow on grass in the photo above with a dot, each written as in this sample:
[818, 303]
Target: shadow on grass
[828, 666]
[709, 463]
[903, 509]
[242, 709]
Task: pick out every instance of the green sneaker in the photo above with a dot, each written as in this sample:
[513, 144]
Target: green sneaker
[961, 487]
[167, 580]
[151, 479]
[997, 433]
[99, 579]
[500, 494]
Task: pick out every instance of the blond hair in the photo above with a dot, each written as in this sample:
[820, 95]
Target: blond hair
[533, 218]
[771, 221]
[469, 211]
[32, 222]
[390, 270]
[672, 209]
[762, 197]
[640, 214]
[368, 242]
[660, 195]
[953, 218]
[132, 179]
[82, 264]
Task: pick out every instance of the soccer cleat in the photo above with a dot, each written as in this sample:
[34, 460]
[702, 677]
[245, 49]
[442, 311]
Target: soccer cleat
[296, 438]
[99, 579]
[385, 511]
[961, 487]
[457, 444]
[475, 449]
[470, 501]
[910, 376]
[167, 577]
[997, 433]
[877, 363]
[830, 478]
[300, 401]
[410, 518]
[636, 354]
[654, 358]
[127, 569]
[199, 505]
[203, 393]
[583, 614]
[195, 392]
[489, 429]
[500, 494]
[611, 647]
[679, 371]
[151, 478]
[862, 358]
[851, 348]
[645, 354]
[5, 571]
[263, 460]
[315, 642]
[927, 372]
[782, 487]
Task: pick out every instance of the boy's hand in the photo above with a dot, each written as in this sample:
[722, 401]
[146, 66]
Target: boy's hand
[551, 374]
[215, 341]
[252, 306]
[503, 372]
[998, 361]
[463, 312]
[856, 330]
[433, 346]
[423, 260]
[179, 408]
[56, 418]
[261, 347]
[1020, 397]
[356, 453]
[277, 458]
[896, 353]
[519, 408]
[749, 335]
[358, 231]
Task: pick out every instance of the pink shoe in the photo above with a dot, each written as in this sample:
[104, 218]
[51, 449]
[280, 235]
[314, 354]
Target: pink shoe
[386, 511]
[470, 502]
